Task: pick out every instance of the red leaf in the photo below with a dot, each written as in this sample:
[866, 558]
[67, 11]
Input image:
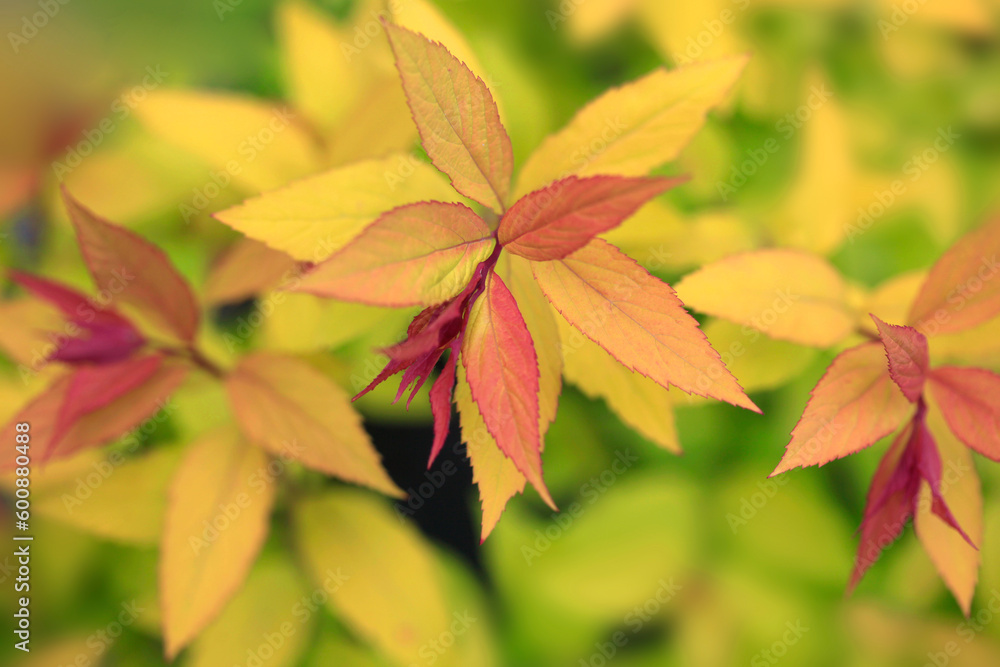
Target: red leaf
[909, 360]
[440, 396]
[456, 116]
[244, 270]
[502, 370]
[555, 221]
[853, 405]
[94, 428]
[93, 387]
[420, 254]
[887, 511]
[963, 288]
[638, 319]
[132, 270]
[110, 337]
[970, 401]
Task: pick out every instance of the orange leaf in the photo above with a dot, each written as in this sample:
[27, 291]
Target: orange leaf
[563, 217]
[420, 254]
[638, 319]
[293, 410]
[962, 289]
[244, 270]
[217, 518]
[970, 401]
[501, 367]
[854, 404]
[906, 349]
[134, 271]
[456, 116]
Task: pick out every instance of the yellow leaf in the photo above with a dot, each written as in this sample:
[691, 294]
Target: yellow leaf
[541, 321]
[106, 494]
[659, 239]
[217, 518]
[266, 618]
[258, 145]
[389, 590]
[323, 83]
[379, 124]
[676, 28]
[891, 300]
[294, 411]
[758, 362]
[957, 562]
[634, 128]
[815, 212]
[589, 21]
[313, 218]
[496, 475]
[786, 294]
[638, 401]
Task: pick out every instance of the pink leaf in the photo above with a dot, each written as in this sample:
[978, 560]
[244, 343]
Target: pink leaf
[555, 221]
[970, 401]
[909, 360]
[502, 370]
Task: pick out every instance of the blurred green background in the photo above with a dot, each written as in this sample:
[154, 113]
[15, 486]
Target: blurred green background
[693, 560]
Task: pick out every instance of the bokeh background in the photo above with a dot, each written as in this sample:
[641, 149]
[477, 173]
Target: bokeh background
[692, 560]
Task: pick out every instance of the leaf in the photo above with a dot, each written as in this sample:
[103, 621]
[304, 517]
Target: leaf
[294, 411]
[322, 83]
[953, 557]
[266, 617]
[886, 512]
[96, 428]
[456, 116]
[637, 400]
[969, 398]
[418, 254]
[244, 270]
[217, 519]
[786, 294]
[961, 290]
[92, 333]
[315, 217]
[497, 477]
[386, 585]
[637, 319]
[558, 220]
[107, 494]
[501, 367]
[440, 398]
[94, 387]
[909, 359]
[260, 146]
[632, 129]
[134, 271]
[853, 405]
